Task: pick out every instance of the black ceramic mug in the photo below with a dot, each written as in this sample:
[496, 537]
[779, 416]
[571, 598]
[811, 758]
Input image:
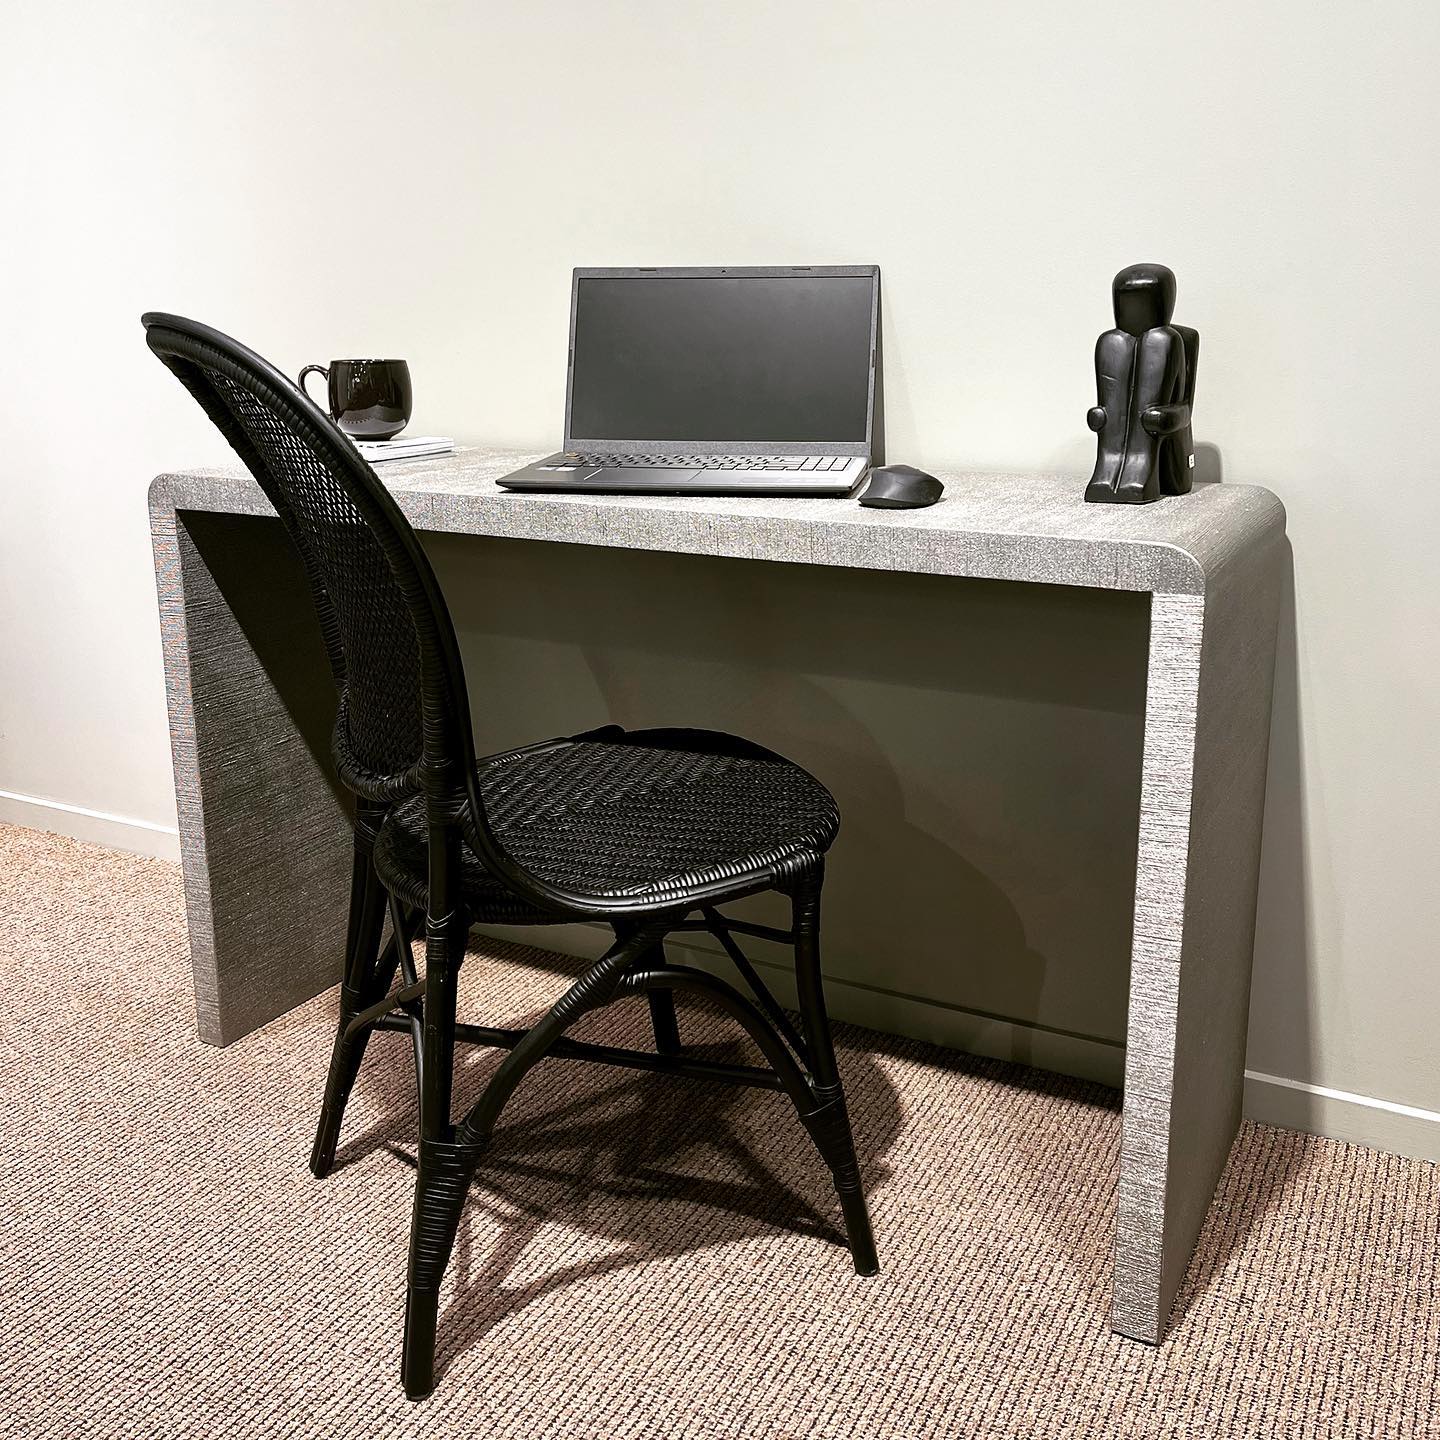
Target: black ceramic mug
[369, 399]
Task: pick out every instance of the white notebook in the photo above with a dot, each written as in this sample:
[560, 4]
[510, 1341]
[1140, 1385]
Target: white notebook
[411, 447]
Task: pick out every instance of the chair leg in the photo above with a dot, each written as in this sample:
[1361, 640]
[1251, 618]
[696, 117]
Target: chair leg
[446, 1168]
[362, 986]
[402, 926]
[829, 1122]
[449, 1155]
[663, 1020]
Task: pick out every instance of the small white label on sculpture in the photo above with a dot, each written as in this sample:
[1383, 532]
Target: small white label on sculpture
[1192, 459]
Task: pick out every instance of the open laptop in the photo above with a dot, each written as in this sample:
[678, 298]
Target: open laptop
[735, 381]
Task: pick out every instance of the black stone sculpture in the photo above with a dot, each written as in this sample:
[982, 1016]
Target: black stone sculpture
[1145, 379]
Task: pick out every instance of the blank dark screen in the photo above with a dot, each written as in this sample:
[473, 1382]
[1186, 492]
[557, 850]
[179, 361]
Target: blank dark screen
[729, 357]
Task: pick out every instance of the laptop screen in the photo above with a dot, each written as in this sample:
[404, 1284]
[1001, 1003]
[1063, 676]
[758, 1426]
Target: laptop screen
[720, 358]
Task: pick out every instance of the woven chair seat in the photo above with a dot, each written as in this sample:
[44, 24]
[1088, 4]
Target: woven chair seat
[661, 813]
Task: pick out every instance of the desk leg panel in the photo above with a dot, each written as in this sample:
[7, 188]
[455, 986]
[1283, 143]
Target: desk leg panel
[264, 833]
[1207, 727]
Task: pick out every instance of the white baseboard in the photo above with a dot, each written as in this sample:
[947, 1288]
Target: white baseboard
[119, 832]
[1342, 1115]
[1270, 1099]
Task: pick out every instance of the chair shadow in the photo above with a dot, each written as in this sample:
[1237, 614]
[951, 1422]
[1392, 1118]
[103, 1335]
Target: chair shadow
[637, 1167]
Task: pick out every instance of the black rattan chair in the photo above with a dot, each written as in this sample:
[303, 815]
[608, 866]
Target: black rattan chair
[647, 830]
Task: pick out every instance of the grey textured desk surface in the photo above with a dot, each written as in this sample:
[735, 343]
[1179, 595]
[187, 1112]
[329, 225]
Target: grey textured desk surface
[1000, 527]
[264, 838]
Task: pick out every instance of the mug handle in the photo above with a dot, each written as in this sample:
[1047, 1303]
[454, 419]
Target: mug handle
[316, 369]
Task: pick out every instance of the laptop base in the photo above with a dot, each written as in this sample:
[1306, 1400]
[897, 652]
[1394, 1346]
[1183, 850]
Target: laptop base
[554, 475]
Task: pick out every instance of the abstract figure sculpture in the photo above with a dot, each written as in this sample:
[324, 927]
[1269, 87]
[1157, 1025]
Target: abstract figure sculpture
[1145, 379]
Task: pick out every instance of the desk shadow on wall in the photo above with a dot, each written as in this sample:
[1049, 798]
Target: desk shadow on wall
[1209, 464]
[1280, 1040]
[983, 741]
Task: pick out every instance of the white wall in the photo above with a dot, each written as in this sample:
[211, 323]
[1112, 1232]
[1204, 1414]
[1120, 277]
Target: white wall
[333, 179]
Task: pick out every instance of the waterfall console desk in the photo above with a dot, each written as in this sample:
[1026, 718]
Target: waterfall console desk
[264, 840]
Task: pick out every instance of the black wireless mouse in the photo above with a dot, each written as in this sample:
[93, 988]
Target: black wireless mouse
[901, 487]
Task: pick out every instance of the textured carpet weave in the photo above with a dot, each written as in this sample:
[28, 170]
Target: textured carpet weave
[641, 1256]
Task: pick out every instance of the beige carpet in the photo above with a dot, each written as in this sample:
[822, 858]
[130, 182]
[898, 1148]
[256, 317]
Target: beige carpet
[643, 1257]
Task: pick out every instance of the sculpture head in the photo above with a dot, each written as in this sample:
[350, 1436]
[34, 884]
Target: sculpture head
[1144, 297]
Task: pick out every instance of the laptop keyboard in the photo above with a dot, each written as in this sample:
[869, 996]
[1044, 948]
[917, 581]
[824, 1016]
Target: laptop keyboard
[714, 462]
